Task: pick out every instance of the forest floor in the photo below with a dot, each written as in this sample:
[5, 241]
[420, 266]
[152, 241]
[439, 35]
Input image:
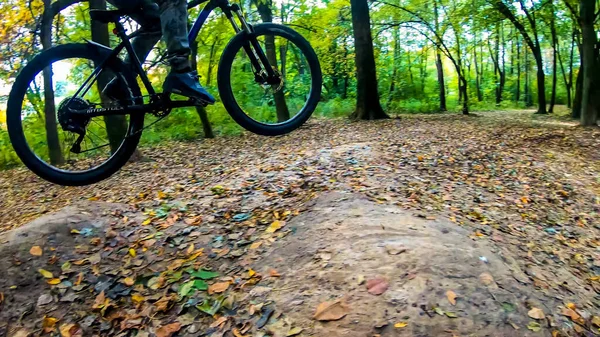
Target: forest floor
[438, 225]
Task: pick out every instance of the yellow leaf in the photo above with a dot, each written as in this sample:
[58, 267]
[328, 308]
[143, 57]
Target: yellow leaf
[45, 273]
[36, 251]
[48, 324]
[255, 245]
[275, 226]
[251, 272]
[54, 281]
[451, 297]
[190, 249]
[132, 252]
[74, 231]
[79, 279]
[596, 321]
[137, 298]
[536, 313]
[128, 281]
[147, 222]
[68, 330]
[400, 325]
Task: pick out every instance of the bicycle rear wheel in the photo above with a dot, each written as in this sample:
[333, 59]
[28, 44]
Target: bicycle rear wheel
[270, 109]
[43, 131]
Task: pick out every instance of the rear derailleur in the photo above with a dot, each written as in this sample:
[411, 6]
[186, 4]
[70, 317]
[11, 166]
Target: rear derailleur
[74, 123]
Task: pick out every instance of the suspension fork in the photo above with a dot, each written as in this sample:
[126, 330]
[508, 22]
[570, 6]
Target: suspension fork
[258, 51]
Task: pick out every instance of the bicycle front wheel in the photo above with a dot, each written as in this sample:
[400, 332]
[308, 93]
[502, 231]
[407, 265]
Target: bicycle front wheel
[57, 145]
[277, 107]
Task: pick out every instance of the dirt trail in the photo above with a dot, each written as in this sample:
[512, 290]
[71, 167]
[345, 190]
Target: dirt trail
[247, 236]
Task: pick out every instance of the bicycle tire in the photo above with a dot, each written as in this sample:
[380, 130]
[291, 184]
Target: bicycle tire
[15, 129]
[226, 91]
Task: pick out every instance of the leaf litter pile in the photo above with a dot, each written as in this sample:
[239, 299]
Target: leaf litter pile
[181, 232]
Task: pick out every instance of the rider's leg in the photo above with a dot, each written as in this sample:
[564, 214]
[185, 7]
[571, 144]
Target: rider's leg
[182, 79]
[172, 21]
[142, 44]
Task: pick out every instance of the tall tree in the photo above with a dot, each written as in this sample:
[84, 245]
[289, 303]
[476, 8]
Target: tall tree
[54, 149]
[266, 14]
[590, 102]
[116, 126]
[532, 40]
[438, 60]
[367, 94]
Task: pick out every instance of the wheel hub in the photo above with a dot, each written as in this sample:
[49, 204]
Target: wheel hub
[70, 122]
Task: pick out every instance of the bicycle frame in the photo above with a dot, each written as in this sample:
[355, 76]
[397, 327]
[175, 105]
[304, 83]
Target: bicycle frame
[257, 56]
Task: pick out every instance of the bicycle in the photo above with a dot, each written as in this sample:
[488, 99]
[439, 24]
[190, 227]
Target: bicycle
[56, 132]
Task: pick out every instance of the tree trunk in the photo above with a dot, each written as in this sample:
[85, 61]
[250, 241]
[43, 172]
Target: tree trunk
[367, 96]
[396, 54]
[577, 100]
[541, 81]
[441, 83]
[116, 126]
[264, 10]
[518, 84]
[438, 62]
[589, 112]
[528, 95]
[200, 110]
[554, 62]
[477, 74]
[54, 149]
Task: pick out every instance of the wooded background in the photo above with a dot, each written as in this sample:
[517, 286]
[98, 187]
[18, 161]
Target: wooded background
[415, 56]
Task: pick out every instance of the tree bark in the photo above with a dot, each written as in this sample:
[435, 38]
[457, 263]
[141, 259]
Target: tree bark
[554, 61]
[518, 84]
[54, 149]
[589, 112]
[367, 96]
[116, 126]
[266, 14]
[438, 62]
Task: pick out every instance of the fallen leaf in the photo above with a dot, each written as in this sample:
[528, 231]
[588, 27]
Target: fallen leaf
[132, 252]
[219, 322]
[251, 272]
[534, 326]
[450, 314]
[128, 281]
[36, 251]
[168, 330]
[45, 273]
[486, 278]
[218, 288]
[596, 321]
[69, 330]
[255, 245]
[400, 325]
[190, 249]
[21, 333]
[360, 279]
[294, 332]
[275, 226]
[331, 311]
[274, 273]
[137, 298]
[49, 324]
[377, 286]
[570, 313]
[54, 281]
[451, 297]
[536, 313]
